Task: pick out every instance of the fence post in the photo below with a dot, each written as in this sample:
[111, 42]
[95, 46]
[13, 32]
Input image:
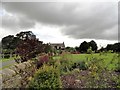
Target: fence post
[10, 55]
[2, 55]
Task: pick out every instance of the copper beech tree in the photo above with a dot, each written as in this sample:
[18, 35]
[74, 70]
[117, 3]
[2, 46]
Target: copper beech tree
[29, 46]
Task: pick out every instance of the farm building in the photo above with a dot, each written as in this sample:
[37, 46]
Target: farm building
[57, 46]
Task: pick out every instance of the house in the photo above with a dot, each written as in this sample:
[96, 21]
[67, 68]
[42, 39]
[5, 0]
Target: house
[57, 46]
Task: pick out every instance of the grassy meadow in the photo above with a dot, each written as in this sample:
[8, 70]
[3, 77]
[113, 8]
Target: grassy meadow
[108, 59]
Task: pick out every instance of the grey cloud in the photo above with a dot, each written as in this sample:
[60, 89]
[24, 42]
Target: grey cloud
[80, 20]
[26, 23]
[16, 23]
[9, 22]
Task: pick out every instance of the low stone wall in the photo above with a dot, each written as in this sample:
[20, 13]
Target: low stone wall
[18, 75]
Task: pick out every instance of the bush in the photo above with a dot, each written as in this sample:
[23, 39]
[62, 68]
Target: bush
[65, 62]
[46, 77]
[81, 65]
[52, 61]
[117, 69]
[7, 56]
[42, 59]
[110, 51]
[89, 50]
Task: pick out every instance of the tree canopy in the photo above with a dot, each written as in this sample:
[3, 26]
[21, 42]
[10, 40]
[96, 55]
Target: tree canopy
[25, 44]
[115, 47]
[84, 46]
[93, 45]
[9, 42]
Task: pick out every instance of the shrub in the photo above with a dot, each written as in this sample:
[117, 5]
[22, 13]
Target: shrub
[42, 59]
[75, 71]
[7, 56]
[110, 51]
[65, 62]
[117, 69]
[80, 65]
[52, 61]
[99, 75]
[46, 77]
[89, 50]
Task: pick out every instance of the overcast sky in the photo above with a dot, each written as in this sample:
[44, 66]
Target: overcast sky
[69, 22]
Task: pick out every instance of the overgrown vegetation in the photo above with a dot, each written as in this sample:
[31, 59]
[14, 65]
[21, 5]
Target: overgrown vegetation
[96, 68]
[101, 69]
[66, 62]
[42, 59]
[100, 75]
[47, 77]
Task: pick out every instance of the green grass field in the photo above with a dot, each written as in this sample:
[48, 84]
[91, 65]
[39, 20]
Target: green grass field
[108, 59]
[8, 59]
[5, 60]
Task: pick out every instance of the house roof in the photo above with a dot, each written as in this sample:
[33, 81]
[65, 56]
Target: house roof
[58, 44]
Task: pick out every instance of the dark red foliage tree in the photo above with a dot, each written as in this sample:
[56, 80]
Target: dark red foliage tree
[29, 48]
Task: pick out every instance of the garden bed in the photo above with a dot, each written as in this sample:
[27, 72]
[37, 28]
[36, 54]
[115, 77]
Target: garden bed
[81, 80]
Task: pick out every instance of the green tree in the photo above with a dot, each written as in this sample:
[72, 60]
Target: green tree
[77, 48]
[47, 48]
[70, 49]
[93, 45]
[83, 47]
[25, 35]
[115, 47]
[7, 42]
[29, 46]
[109, 47]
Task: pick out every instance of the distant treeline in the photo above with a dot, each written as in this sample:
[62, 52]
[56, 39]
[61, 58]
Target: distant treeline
[84, 46]
[28, 41]
[114, 47]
